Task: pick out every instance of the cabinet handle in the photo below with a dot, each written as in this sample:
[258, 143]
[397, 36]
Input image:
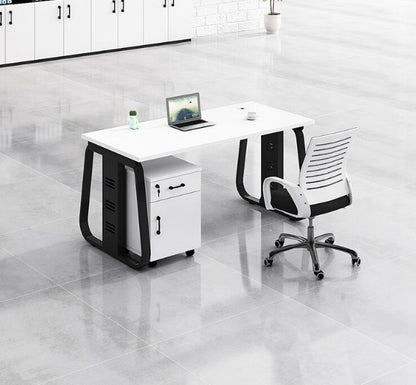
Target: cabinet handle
[173, 3]
[11, 17]
[1, 19]
[164, 5]
[178, 186]
[158, 225]
[69, 11]
[59, 12]
[114, 6]
[122, 5]
[158, 190]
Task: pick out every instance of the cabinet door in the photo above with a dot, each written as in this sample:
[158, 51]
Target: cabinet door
[180, 17]
[2, 35]
[77, 27]
[130, 23]
[20, 31]
[49, 29]
[155, 21]
[104, 24]
[175, 225]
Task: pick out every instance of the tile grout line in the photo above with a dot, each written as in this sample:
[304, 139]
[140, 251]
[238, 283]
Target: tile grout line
[387, 373]
[92, 365]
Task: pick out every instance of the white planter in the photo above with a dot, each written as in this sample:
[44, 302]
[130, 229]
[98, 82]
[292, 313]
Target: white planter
[272, 23]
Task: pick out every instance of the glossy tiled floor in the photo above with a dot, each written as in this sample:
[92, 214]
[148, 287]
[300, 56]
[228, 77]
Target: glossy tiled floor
[71, 315]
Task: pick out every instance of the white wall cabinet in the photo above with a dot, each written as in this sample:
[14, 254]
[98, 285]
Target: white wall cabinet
[130, 23]
[173, 191]
[167, 20]
[77, 27]
[180, 14]
[2, 35]
[20, 27]
[40, 29]
[156, 21]
[116, 24]
[104, 24]
[49, 30]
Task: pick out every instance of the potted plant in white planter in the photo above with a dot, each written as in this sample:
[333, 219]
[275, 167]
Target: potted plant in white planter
[272, 20]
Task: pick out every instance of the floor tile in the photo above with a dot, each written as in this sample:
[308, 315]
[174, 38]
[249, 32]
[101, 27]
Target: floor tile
[51, 333]
[145, 366]
[402, 376]
[283, 343]
[36, 201]
[377, 301]
[17, 279]
[179, 295]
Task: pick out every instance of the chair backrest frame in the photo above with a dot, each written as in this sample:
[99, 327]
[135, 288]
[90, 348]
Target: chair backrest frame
[323, 175]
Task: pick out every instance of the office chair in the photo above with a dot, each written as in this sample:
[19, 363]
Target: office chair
[323, 187]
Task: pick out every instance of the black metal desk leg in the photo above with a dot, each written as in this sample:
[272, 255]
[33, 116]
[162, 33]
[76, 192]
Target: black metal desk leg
[142, 209]
[300, 142]
[240, 174]
[272, 158]
[85, 199]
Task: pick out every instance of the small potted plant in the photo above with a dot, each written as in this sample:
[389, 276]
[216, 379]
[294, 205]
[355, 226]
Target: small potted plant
[272, 20]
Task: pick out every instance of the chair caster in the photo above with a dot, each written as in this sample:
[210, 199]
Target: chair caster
[152, 264]
[356, 261]
[268, 262]
[319, 274]
[190, 253]
[330, 240]
[279, 243]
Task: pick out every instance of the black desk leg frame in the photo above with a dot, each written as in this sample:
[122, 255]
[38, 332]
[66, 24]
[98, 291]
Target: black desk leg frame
[272, 161]
[114, 206]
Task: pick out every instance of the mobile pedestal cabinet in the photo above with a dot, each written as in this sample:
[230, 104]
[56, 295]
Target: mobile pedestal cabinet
[173, 197]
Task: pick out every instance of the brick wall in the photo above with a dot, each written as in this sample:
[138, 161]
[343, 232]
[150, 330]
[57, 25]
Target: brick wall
[212, 17]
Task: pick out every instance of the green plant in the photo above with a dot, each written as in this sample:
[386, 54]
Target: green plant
[272, 6]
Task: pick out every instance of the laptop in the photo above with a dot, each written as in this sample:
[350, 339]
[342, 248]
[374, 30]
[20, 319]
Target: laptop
[184, 112]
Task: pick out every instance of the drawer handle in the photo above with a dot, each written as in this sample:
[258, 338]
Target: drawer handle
[158, 190]
[158, 225]
[178, 186]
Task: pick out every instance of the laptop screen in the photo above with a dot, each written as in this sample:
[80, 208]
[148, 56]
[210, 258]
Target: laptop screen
[184, 107]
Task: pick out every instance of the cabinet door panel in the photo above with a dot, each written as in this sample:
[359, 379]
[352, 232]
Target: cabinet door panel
[130, 23]
[179, 224]
[2, 35]
[155, 21]
[104, 24]
[49, 29]
[77, 27]
[20, 31]
[180, 16]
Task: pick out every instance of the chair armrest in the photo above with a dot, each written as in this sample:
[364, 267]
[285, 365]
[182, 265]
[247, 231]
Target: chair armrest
[296, 193]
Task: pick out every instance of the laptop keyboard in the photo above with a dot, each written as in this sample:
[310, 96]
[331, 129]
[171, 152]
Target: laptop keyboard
[191, 123]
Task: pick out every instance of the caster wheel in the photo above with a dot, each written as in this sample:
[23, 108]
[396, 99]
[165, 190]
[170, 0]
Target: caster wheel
[152, 264]
[268, 262]
[190, 253]
[319, 275]
[330, 240]
[356, 261]
[278, 243]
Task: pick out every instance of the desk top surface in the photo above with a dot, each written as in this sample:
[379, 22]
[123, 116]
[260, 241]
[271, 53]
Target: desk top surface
[155, 139]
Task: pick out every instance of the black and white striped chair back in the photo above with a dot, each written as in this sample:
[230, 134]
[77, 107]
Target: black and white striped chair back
[323, 176]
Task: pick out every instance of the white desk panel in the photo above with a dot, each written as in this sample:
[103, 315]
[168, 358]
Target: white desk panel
[155, 139]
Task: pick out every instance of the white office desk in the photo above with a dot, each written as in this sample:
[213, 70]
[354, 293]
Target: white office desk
[121, 146]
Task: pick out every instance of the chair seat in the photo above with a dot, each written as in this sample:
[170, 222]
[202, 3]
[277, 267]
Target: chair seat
[281, 200]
